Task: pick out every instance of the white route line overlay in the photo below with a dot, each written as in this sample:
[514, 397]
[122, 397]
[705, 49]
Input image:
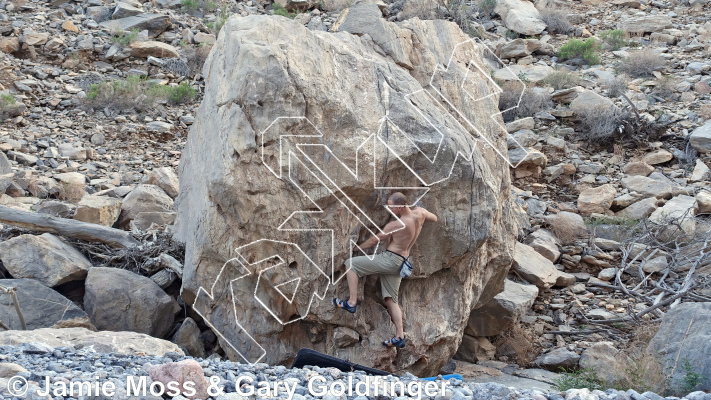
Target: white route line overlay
[352, 243]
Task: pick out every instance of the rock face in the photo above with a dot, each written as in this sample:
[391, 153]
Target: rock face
[684, 334]
[261, 69]
[119, 300]
[45, 258]
[41, 307]
[102, 342]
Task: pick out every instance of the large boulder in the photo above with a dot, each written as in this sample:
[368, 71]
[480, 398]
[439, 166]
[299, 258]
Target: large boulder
[371, 90]
[120, 300]
[685, 334]
[503, 310]
[41, 307]
[520, 16]
[102, 342]
[45, 258]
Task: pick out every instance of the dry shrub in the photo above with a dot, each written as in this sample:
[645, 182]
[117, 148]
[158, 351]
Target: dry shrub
[561, 79]
[71, 192]
[642, 64]
[600, 123]
[461, 12]
[566, 228]
[534, 99]
[517, 344]
[422, 9]
[638, 368]
[336, 5]
[616, 86]
[195, 57]
[556, 19]
[666, 86]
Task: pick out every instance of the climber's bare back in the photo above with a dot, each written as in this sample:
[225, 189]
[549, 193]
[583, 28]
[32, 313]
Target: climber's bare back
[402, 239]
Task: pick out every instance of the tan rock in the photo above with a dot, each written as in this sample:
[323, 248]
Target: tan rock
[153, 48]
[701, 172]
[36, 38]
[144, 198]
[647, 187]
[102, 210]
[475, 349]
[596, 200]
[181, 372]
[641, 209]
[647, 23]
[103, 342]
[45, 258]
[68, 25]
[638, 168]
[545, 243]
[502, 311]
[165, 179]
[658, 157]
[10, 44]
[533, 267]
[8, 370]
[229, 198]
[703, 199]
[202, 37]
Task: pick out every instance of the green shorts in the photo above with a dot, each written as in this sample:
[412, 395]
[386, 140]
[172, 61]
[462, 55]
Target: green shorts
[386, 264]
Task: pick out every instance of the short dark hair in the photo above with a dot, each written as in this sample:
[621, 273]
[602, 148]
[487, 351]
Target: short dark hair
[398, 199]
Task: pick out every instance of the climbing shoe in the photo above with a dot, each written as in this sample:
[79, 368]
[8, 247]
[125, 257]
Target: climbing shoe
[395, 342]
[344, 305]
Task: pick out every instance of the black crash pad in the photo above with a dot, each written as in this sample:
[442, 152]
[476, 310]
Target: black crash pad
[312, 357]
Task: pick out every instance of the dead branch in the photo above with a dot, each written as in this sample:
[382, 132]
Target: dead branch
[66, 227]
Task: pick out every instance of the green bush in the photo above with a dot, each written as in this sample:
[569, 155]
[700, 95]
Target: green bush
[219, 21]
[6, 101]
[586, 49]
[689, 381]
[136, 93]
[561, 79]
[190, 5]
[582, 378]
[177, 94]
[486, 7]
[125, 38]
[615, 38]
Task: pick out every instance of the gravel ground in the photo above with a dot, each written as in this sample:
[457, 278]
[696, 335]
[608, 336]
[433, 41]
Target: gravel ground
[67, 364]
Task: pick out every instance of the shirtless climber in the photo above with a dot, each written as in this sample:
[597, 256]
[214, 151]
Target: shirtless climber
[388, 263]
